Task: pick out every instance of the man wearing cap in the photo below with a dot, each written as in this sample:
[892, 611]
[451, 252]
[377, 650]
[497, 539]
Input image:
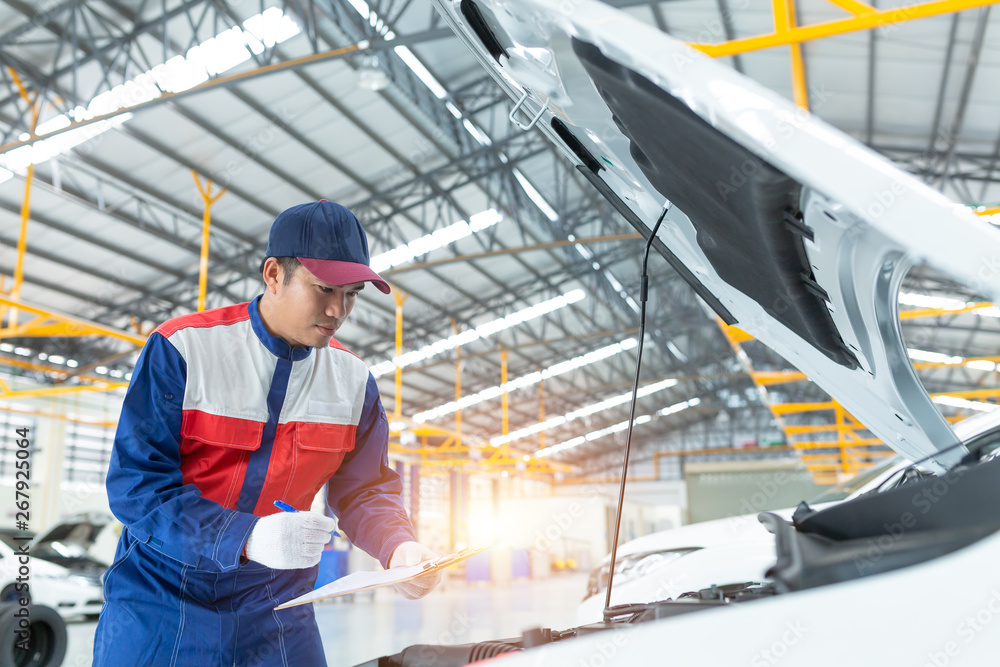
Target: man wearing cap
[228, 411]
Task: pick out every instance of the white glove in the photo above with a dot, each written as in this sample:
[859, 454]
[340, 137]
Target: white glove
[412, 553]
[289, 540]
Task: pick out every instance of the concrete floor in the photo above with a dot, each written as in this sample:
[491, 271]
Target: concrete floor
[384, 622]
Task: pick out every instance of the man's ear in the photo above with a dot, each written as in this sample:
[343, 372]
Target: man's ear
[273, 274]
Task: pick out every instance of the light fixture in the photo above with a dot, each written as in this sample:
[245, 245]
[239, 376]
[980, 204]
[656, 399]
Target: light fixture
[614, 428]
[482, 331]
[956, 402]
[606, 404]
[436, 239]
[525, 380]
[371, 75]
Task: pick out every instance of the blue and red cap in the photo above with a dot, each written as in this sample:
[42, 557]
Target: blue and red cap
[328, 240]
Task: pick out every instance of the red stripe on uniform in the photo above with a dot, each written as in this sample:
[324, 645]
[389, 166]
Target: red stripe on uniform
[208, 318]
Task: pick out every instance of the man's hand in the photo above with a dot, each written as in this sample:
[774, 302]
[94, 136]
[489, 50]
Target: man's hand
[412, 553]
[289, 540]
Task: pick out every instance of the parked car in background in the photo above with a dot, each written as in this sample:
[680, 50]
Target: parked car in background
[70, 583]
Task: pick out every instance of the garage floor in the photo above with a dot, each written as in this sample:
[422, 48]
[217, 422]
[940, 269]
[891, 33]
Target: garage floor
[386, 623]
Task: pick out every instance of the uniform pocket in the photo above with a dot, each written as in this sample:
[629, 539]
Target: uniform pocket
[221, 431]
[324, 437]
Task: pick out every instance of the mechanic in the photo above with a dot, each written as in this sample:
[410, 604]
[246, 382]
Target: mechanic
[229, 410]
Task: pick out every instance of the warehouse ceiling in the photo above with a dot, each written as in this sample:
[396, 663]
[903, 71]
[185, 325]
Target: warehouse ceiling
[263, 98]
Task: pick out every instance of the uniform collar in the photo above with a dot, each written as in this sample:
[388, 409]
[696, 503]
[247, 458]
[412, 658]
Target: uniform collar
[274, 344]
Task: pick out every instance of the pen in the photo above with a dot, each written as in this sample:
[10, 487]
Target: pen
[285, 507]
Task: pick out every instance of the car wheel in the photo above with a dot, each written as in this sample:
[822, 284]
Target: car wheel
[45, 645]
[10, 594]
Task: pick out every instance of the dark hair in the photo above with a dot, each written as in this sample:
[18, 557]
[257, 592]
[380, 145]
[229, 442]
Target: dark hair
[288, 264]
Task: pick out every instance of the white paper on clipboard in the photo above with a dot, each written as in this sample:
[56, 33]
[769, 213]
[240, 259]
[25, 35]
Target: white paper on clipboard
[359, 581]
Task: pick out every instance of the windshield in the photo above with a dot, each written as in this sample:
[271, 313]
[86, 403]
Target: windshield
[849, 487]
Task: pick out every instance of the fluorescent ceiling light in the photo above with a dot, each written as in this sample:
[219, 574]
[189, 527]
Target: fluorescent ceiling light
[525, 380]
[677, 407]
[981, 365]
[433, 241]
[590, 437]
[925, 301]
[616, 428]
[945, 303]
[482, 331]
[934, 357]
[476, 133]
[422, 73]
[213, 56]
[956, 402]
[606, 404]
[535, 196]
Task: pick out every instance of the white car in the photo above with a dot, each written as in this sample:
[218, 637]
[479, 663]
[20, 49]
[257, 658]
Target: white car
[734, 550]
[801, 236]
[63, 575]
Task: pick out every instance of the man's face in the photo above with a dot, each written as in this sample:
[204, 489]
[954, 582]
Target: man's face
[307, 311]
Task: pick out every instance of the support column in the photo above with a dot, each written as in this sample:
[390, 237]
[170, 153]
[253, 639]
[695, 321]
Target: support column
[206, 223]
[22, 239]
[401, 298]
[504, 425]
[415, 498]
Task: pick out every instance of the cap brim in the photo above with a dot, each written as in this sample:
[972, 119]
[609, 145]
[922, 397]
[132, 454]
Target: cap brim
[343, 273]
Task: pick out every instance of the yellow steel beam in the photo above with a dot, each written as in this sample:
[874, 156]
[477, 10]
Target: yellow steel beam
[62, 417]
[401, 298]
[784, 21]
[832, 444]
[734, 335]
[206, 222]
[60, 391]
[865, 21]
[22, 239]
[768, 378]
[971, 393]
[78, 325]
[853, 6]
[458, 385]
[914, 313]
[541, 411]
[788, 408]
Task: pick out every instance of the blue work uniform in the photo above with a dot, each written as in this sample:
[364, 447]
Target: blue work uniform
[221, 419]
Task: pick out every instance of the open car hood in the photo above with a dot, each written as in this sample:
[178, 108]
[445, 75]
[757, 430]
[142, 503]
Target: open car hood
[69, 542]
[786, 227]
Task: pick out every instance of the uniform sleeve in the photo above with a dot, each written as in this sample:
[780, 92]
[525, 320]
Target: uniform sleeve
[145, 486]
[365, 493]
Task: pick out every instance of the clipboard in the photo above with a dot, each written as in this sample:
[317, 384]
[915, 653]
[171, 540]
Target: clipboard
[360, 581]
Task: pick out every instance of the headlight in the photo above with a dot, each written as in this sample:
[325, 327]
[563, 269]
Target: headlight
[632, 567]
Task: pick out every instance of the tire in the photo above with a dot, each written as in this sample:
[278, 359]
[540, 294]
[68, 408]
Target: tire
[46, 644]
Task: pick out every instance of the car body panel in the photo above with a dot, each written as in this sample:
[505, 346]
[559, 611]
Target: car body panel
[936, 613]
[863, 223]
[720, 539]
